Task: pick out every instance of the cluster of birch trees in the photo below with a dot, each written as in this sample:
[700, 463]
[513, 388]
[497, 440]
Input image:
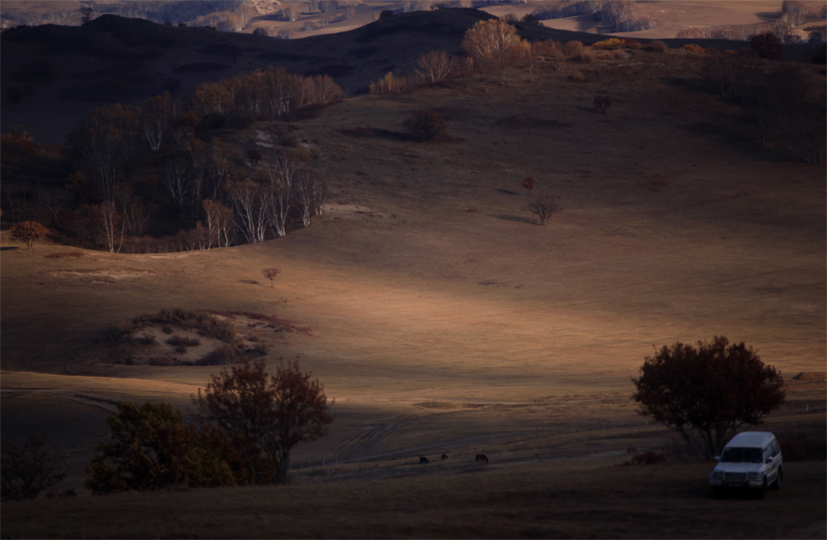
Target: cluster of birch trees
[135, 162]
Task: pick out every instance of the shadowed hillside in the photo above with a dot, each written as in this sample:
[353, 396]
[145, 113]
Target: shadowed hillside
[60, 73]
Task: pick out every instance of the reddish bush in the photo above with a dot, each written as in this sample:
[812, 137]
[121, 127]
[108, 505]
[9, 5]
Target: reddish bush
[29, 469]
[656, 46]
[766, 46]
[28, 232]
[425, 125]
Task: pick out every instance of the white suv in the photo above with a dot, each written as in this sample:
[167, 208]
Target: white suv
[750, 460]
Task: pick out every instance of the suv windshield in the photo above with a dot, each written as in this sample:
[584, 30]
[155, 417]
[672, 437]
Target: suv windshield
[742, 455]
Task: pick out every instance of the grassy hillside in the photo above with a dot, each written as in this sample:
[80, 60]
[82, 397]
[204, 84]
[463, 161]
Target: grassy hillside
[446, 320]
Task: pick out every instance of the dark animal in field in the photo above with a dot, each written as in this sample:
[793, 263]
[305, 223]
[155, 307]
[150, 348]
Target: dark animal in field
[444, 456]
[482, 457]
[423, 460]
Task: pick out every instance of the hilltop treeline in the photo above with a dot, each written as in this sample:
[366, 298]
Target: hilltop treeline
[227, 15]
[160, 176]
[616, 15]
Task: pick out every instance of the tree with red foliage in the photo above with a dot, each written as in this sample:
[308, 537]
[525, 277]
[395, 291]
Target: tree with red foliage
[529, 183]
[271, 273]
[766, 46]
[425, 125]
[29, 469]
[28, 232]
[713, 389]
[266, 415]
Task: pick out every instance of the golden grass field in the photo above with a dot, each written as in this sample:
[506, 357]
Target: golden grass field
[446, 320]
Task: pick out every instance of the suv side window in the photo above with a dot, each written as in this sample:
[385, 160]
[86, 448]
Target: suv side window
[775, 448]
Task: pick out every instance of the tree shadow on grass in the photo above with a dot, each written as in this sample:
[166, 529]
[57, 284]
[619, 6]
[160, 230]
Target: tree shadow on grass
[378, 133]
[7, 248]
[518, 219]
[249, 281]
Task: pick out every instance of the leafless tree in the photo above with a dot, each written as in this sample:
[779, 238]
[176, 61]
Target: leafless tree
[282, 171]
[308, 193]
[112, 225]
[220, 222]
[252, 203]
[434, 66]
[106, 141]
[157, 118]
[176, 177]
[135, 215]
[544, 207]
[54, 200]
[271, 273]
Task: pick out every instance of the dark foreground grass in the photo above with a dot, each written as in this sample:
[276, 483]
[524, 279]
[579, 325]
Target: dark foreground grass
[520, 501]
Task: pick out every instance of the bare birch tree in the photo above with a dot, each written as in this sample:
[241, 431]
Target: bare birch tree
[434, 66]
[253, 208]
[177, 179]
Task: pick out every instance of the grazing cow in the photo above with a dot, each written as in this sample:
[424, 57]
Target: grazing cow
[423, 460]
[482, 457]
[631, 451]
[444, 456]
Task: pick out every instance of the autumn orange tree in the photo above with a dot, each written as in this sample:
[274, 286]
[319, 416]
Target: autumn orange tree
[529, 183]
[494, 45]
[28, 232]
[264, 415]
[712, 390]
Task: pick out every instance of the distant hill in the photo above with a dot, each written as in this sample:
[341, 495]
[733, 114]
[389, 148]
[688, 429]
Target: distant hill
[53, 75]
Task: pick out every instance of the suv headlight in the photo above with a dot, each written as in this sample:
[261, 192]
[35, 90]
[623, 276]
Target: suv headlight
[755, 476]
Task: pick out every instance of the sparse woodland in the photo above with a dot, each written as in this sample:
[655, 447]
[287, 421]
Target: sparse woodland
[164, 175]
[159, 177]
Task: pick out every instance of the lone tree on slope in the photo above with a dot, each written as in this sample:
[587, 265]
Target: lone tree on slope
[28, 232]
[529, 183]
[544, 207]
[266, 415]
[271, 273]
[713, 389]
[425, 125]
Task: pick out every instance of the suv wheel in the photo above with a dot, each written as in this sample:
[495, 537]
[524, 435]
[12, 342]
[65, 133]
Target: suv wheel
[762, 491]
[778, 477]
